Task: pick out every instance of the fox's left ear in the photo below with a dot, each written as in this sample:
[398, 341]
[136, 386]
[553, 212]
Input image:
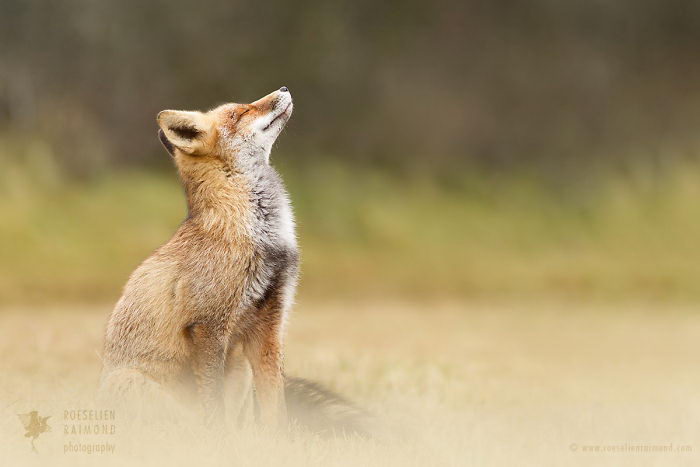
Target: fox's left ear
[190, 132]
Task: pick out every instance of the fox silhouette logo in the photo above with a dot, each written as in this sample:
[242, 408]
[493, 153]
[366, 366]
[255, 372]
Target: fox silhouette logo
[34, 424]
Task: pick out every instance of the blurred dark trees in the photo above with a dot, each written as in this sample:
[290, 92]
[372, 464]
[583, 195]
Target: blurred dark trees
[550, 84]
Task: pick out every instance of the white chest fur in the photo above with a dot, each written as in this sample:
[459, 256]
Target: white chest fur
[285, 228]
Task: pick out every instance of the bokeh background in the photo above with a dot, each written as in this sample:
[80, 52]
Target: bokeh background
[437, 148]
[497, 205]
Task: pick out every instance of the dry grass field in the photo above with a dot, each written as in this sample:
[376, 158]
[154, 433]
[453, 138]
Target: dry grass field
[462, 383]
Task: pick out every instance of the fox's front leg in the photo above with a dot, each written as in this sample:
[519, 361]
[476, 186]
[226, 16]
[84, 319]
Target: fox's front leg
[209, 355]
[264, 351]
[238, 384]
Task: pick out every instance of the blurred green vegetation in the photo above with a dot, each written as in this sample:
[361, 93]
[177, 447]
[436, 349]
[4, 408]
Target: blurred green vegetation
[367, 232]
[449, 148]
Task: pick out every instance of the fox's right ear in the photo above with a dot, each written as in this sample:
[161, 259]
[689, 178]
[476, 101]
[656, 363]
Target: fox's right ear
[190, 132]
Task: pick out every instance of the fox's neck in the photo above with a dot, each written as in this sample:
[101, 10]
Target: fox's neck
[219, 201]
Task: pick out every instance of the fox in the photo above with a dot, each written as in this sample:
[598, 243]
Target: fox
[206, 313]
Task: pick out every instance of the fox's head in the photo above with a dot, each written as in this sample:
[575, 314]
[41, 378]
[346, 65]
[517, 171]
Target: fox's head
[219, 152]
[231, 136]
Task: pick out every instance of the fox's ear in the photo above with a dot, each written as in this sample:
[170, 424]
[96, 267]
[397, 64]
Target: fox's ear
[190, 132]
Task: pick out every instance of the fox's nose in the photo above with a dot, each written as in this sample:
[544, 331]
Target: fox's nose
[284, 89]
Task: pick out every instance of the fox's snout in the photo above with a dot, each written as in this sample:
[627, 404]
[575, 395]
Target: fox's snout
[275, 101]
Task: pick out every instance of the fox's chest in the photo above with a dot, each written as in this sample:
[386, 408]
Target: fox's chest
[272, 220]
[233, 279]
[258, 252]
[236, 272]
[285, 227]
